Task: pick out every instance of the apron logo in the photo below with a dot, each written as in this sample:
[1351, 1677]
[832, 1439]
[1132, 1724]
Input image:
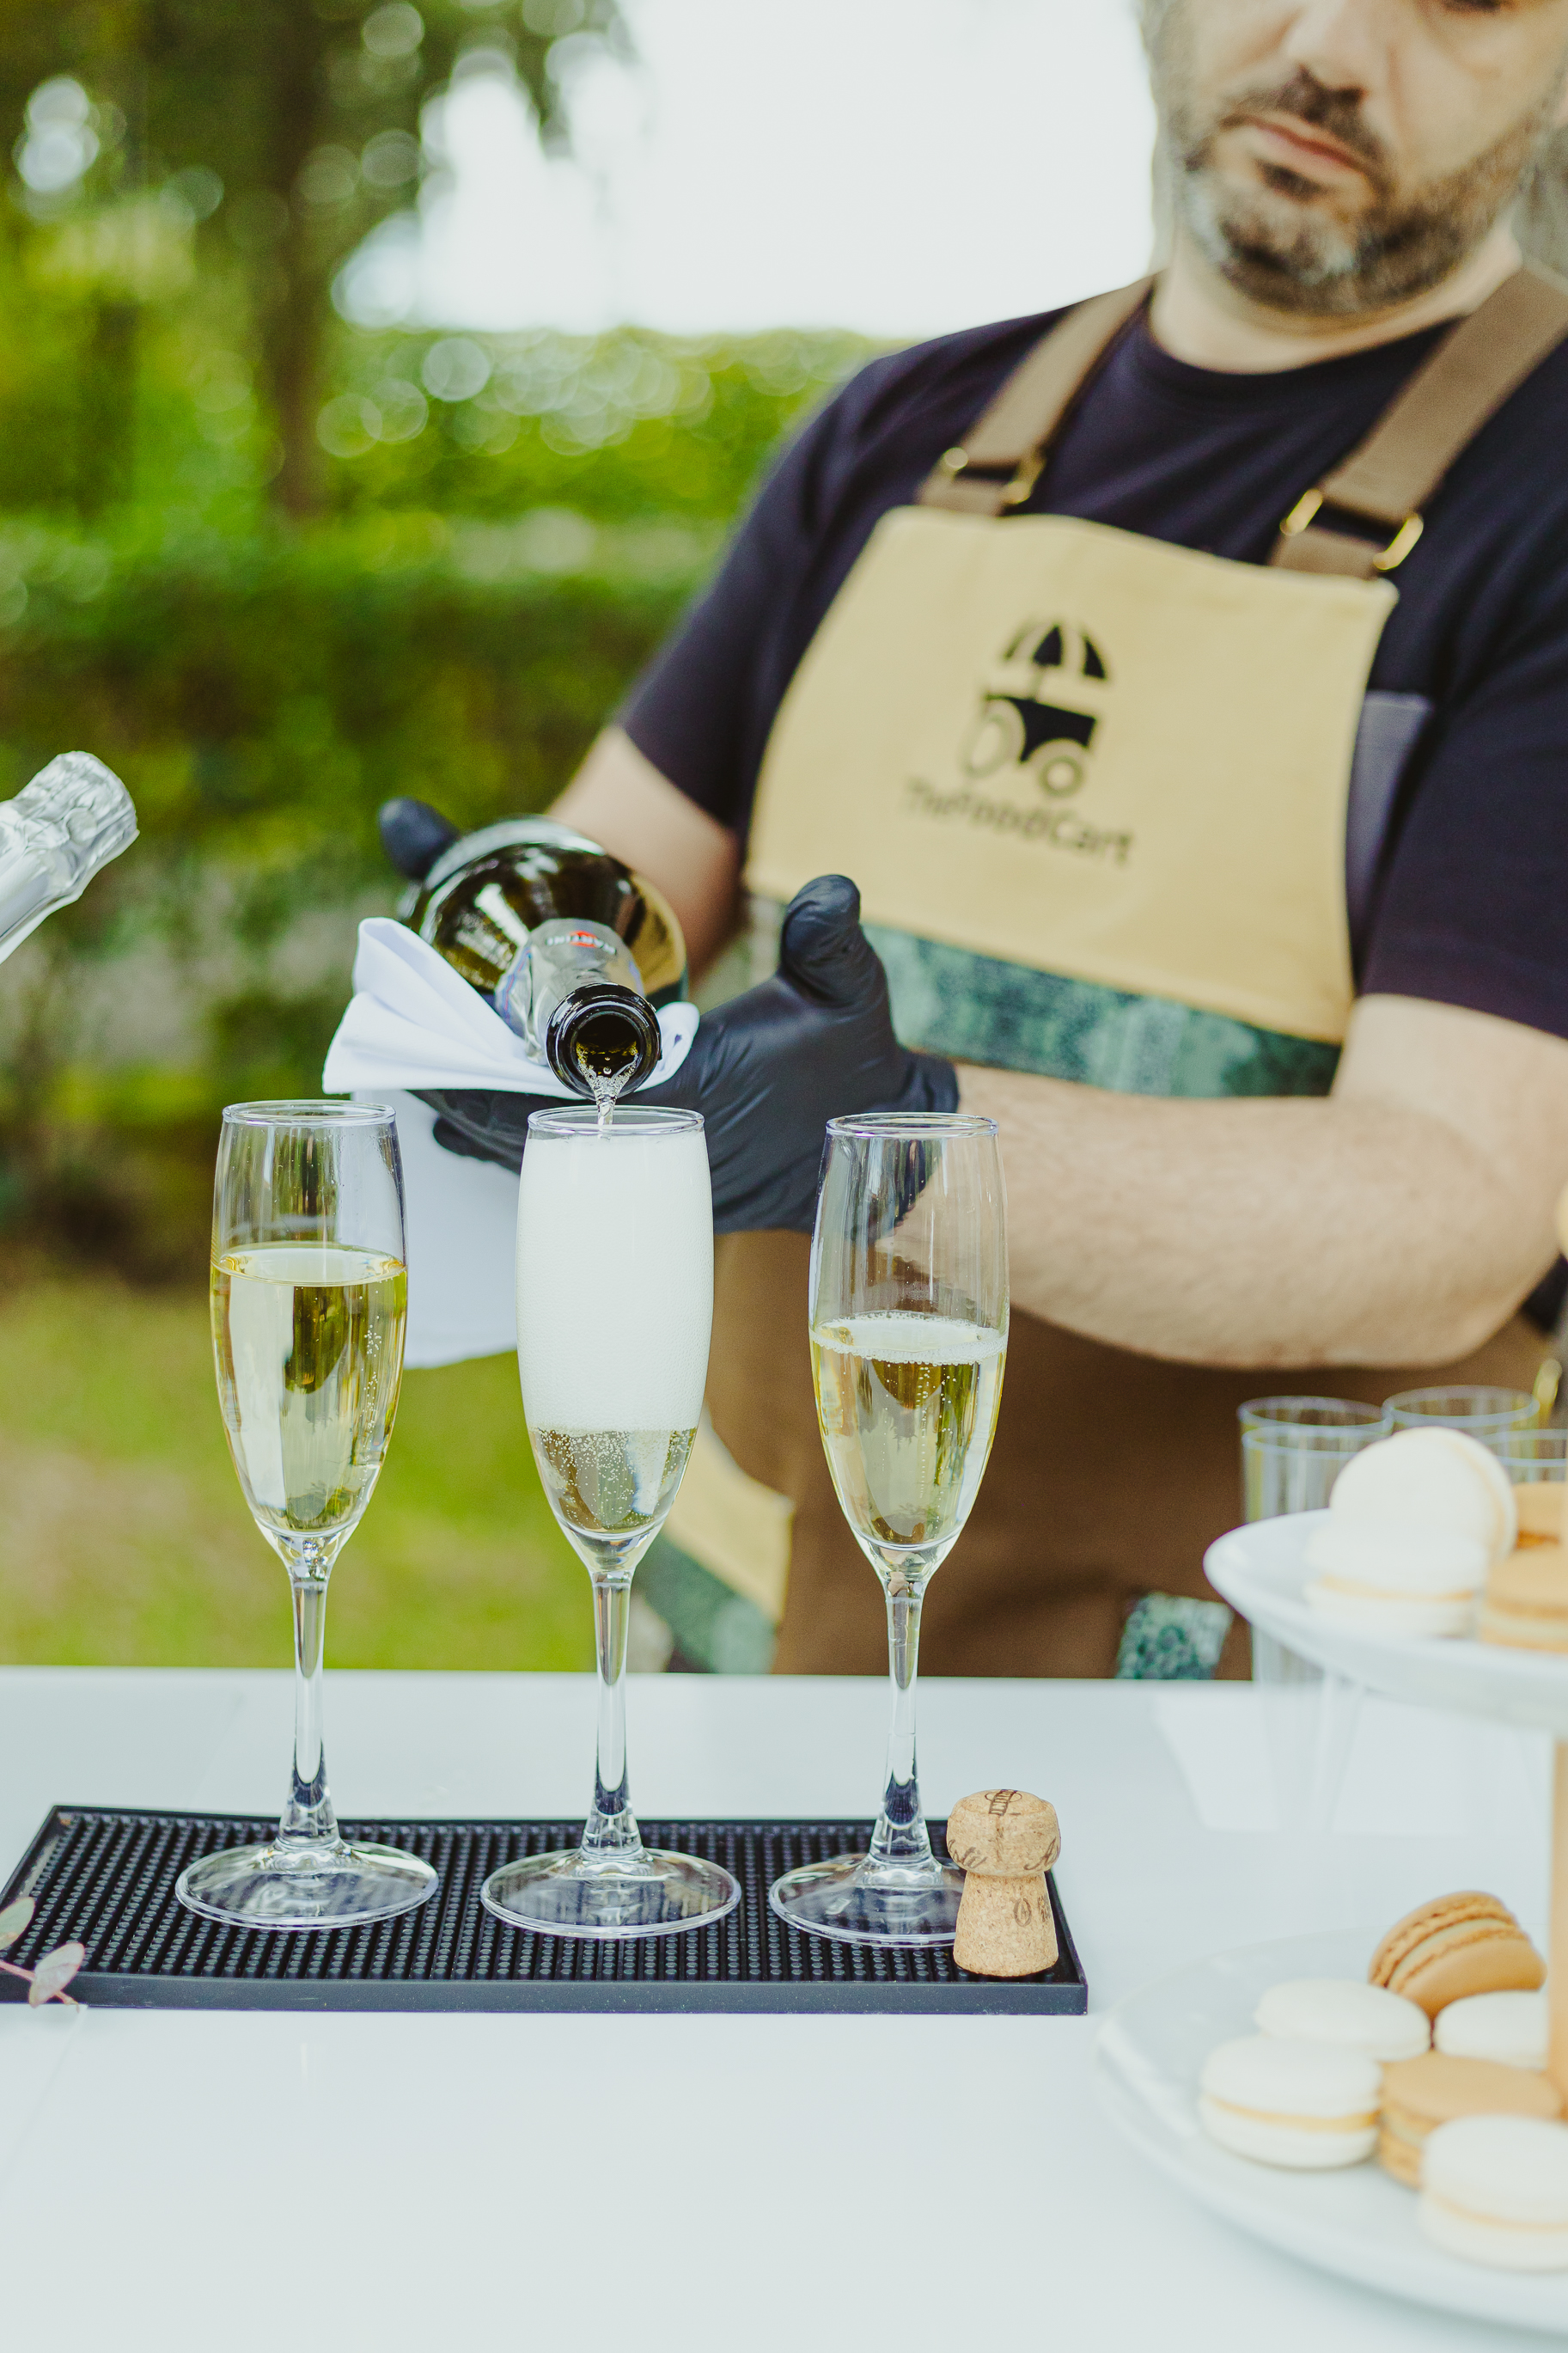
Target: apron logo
[1039, 709]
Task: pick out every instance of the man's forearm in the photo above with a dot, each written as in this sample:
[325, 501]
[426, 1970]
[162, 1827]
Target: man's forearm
[1267, 1232]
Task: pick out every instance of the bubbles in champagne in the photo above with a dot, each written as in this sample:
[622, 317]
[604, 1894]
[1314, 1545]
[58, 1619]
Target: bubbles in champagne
[615, 1278]
[308, 1342]
[906, 1405]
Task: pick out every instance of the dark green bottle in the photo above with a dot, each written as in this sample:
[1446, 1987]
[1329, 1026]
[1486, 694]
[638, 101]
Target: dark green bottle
[575, 951]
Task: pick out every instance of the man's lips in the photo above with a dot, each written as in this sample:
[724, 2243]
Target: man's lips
[1299, 147]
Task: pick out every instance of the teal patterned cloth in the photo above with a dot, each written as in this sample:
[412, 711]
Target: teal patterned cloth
[715, 1631]
[976, 1009]
[1170, 1639]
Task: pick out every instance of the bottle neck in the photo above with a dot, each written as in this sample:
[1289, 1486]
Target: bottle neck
[603, 1040]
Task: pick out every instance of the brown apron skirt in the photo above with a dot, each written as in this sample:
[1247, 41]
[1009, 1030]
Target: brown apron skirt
[1111, 1475]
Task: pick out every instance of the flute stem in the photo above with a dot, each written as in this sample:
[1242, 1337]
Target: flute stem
[308, 1820]
[899, 1843]
[610, 1834]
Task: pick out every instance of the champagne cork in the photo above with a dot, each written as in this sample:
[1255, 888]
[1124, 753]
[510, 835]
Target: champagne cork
[1005, 1842]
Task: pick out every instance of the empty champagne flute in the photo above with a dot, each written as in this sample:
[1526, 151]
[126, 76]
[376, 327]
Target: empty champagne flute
[615, 1308]
[309, 1298]
[909, 1335]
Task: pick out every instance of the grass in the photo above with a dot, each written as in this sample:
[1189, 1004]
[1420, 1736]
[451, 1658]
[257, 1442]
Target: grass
[125, 1540]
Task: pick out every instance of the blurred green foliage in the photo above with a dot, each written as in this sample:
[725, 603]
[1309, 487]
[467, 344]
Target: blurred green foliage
[263, 687]
[275, 568]
[250, 143]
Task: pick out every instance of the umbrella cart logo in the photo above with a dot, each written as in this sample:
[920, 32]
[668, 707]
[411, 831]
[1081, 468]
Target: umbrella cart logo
[1039, 713]
[1040, 708]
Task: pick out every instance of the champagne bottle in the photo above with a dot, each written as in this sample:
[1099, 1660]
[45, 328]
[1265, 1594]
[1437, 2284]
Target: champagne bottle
[574, 950]
[59, 832]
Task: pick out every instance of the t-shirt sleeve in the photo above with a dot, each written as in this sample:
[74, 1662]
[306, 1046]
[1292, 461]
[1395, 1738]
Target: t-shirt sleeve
[1474, 908]
[701, 708]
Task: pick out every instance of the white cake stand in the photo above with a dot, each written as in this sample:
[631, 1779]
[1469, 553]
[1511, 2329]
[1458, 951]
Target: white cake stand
[1261, 1570]
[1356, 2223]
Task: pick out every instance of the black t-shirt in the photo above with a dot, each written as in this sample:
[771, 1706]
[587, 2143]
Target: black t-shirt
[1472, 905]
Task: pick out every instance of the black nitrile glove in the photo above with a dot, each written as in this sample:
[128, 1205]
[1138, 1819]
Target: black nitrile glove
[767, 1071]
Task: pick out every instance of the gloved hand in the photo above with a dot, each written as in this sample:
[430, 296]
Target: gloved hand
[767, 1071]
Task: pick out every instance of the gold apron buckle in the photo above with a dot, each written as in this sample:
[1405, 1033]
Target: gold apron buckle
[1307, 507]
[1030, 465]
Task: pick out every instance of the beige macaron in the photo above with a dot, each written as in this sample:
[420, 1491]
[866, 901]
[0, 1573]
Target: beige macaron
[1346, 2012]
[1454, 1945]
[1514, 2029]
[1442, 1479]
[1420, 2094]
[1306, 2106]
[1538, 1504]
[1394, 1580]
[1494, 2189]
[1525, 1606]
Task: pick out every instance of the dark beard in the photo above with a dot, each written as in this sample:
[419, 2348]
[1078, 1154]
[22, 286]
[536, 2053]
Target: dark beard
[1275, 249]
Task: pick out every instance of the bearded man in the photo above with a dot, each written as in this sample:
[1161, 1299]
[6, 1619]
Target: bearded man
[1183, 680]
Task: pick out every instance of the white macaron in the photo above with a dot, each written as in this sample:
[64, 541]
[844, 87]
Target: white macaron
[1395, 1579]
[1495, 2190]
[1437, 1479]
[1305, 2104]
[1347, 2012]
[1510, 2028]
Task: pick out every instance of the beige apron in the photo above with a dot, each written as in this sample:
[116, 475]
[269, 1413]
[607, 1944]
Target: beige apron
[1093, 788]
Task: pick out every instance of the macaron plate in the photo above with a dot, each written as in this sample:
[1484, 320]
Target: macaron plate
[1356, 2222]
[1262, 1571]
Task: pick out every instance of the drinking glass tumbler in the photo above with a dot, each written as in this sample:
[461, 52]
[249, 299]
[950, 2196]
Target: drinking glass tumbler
[1484, 1412]
[1528, 1455]
[908, 1319]
[1292, 1451]
[308, 1301]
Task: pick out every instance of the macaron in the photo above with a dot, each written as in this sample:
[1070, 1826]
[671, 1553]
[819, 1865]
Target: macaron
[1511, 2029]
[1454, 1945]
[1525, 1606]
[1437, 1479]
[1495, 2190]
[1304, 2104]
[1347, 2014]
[1420, 2094]
[1539, 1505]
[1395, 1580]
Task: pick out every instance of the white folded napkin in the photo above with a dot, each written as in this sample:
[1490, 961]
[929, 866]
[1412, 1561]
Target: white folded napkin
[414, 1022]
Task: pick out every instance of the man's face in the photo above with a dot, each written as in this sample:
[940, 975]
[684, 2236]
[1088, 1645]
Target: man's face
[1337, 157]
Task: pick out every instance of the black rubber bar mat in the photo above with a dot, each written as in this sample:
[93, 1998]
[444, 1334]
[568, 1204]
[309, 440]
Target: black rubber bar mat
[108, 1877]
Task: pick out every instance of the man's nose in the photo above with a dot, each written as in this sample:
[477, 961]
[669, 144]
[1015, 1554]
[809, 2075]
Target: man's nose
[1344, 43]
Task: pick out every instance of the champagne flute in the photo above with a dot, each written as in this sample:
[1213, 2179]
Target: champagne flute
[909, 1335]
[309, 1302]
[615, 1307]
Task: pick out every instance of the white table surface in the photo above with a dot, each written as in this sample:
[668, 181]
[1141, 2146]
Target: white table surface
[239, 2181]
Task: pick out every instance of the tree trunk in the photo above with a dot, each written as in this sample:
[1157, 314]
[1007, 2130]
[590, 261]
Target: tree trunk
[289, 310]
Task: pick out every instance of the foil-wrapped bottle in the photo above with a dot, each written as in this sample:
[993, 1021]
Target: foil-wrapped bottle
[575, 952]
[59, 831]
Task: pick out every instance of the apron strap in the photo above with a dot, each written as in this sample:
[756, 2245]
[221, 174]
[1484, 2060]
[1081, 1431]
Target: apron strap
[1000, 459]
[1387, 481]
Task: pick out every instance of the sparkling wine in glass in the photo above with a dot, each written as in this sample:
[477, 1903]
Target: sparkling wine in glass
[615, 1307]
[909, 1336]
[309, 1301]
